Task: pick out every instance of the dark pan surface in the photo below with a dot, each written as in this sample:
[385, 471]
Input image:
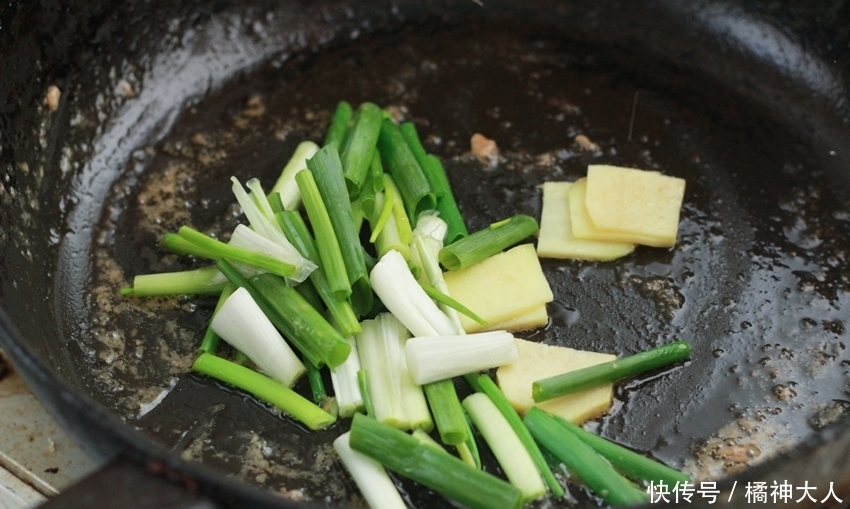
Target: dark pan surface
[756, 281]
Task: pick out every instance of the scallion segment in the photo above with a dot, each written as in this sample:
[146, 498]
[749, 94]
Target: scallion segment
[402, 219]
[627, 461]
[327, 172]
[447, 411]
[396, 399]
[259, 212]
[506, 446]
[485, 243]
[430, 467]
[438, 358]
[211, 339]
[309, 331]
[356, 155]
[607, 372]
[444, 299]
[349, 397]
[286, 186]
[187, 282]
[339, 125]
[369, 475]
[242, 323]
[317, 384]
[190, 241]
[406, 300]
[326, 240]
[582, 460]
[265, 389]
[483, 383]
[340, 310]
[437, 178]
[401, 164]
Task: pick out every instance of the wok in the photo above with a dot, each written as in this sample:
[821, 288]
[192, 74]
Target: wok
[162, 101]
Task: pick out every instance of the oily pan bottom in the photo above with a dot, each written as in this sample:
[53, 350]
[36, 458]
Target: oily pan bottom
[754, 282]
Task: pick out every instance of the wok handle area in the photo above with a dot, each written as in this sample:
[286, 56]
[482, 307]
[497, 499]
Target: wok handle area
[127, 485]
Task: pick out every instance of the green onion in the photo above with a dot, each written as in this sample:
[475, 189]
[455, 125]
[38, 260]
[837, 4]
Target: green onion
[401, 164]
[438, 358]
[376, 172]
[263, 226]
[346, 386]
[326, 240]
[485, 243]
[426, 439]
[442, 298]
[582, 460]
[242, 323]
[608, 372]
[401, 218]
[258, 196]
[427, 242]
[384, 204]
[309, 331]
[187, 282]
[485, 384]
[339, 125]
[436, 470]
[625, 460]
[286, 186]
[297, 233]
[244, 237]
[177, 244]
[366, 392]
[368, 204]
[327, 171]
[396, 399]
[317, 385]
[210, 341]
[388, 237]
[468, 450]
[447, 411]
[209, 247]
[506, 446]
[406, 300]
[374, 483]
[265, 389]
[356, 155]
[310, 294]
[439, 182]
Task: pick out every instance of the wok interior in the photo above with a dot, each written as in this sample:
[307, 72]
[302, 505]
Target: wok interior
[145, 140]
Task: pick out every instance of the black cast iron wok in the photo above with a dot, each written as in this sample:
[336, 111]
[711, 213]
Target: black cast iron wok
[162, 101]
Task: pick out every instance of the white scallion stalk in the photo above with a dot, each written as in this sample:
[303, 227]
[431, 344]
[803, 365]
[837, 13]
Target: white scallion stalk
[397, 400]
[427, 241]
[406, 300]
[285, 185]
[506, 446]
[270, 230]
[258, 195]
[374, 483]
[344, 380]
[241, 323]
[431, 359]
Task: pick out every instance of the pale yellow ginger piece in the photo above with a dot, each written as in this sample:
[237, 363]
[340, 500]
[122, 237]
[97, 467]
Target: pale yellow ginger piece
[538, 361]
[626, 201]
[556, 238]
[537, 317]
[582, 224]
[501, 287]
